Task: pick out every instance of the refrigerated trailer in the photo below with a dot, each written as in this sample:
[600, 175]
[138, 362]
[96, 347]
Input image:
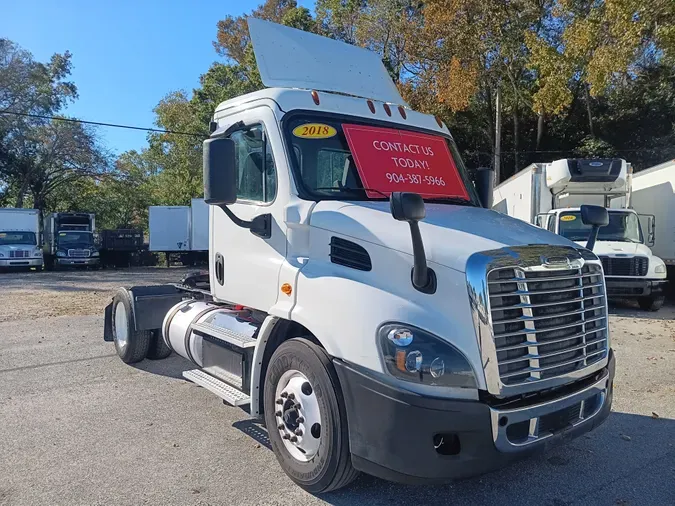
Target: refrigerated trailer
[360, 299]
[653, 193]
[549, 195]
[180, 229]
[19, 239]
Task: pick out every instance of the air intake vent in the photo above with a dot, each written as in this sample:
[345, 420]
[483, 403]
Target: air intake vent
[349, 254]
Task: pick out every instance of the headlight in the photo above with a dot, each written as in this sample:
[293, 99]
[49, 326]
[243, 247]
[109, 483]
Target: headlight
[60, 253]
[414, 355]
[37, 253]
[660, 269]
[94, 253]
[2, 255]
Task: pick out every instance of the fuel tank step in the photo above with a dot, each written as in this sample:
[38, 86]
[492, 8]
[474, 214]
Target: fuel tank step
[227, 335]
[226, 392]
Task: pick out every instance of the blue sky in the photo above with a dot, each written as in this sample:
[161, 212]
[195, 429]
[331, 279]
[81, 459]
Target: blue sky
[126, 54]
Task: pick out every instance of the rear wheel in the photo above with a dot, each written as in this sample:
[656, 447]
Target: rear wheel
[651, 303]
[158, 348]
[306, 417]
[132, 345]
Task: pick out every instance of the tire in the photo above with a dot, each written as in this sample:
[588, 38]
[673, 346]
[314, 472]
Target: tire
[651, 303]
[330, 466]
[158, 348]
[131, 345]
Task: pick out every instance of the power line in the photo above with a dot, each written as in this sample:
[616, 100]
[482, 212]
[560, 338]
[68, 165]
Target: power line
[99, 123]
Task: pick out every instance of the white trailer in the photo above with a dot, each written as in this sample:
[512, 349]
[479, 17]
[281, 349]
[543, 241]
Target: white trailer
[415, 340]
[169, 228]
[653, 193]
[179, 228]
[19, 238]
[549, 195]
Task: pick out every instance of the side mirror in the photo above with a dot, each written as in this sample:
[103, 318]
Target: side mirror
[597, 217]
[410, 207]
[407, 206]
[220, 176]
[485, 181]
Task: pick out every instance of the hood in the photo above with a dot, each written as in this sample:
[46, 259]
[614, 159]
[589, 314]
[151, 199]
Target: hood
[15, 247]
[619, 248]
[451, 234]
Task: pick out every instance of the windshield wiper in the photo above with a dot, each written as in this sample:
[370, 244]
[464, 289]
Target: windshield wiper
[347, 188]
[451, 200]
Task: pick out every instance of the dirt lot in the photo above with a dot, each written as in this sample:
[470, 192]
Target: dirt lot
[78, 427]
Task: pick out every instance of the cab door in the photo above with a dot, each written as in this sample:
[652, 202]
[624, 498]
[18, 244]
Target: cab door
[245, 267]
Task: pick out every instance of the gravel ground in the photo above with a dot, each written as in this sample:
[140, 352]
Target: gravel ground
[79, 427]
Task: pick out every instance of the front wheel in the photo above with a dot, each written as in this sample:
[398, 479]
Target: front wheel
[306, 417]
[651, 303]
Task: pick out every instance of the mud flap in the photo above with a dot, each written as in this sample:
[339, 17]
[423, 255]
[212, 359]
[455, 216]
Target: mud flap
[107, 324]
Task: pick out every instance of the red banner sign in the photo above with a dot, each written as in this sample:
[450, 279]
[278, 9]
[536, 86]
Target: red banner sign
[391, 160]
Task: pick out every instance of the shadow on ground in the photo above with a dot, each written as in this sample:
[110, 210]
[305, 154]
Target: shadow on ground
[629, 460]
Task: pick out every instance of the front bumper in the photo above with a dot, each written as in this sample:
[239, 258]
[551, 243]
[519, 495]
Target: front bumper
[627, 286]
[77, 261]
[21, 262]
[393, 433]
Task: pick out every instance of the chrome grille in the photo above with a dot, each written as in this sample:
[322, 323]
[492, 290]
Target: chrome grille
[546, 323]
[17, 253]
[79, 253]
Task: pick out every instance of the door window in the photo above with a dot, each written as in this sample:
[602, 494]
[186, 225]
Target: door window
[256, 181]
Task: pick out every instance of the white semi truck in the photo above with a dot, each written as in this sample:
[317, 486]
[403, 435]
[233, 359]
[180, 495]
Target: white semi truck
[550, 195]
[19, 243]
[360, 299]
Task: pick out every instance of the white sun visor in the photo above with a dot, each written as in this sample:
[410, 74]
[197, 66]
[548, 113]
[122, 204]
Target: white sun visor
[290, 58]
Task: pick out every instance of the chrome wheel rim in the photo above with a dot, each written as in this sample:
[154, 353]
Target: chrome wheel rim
[297, 415]
[121, 334]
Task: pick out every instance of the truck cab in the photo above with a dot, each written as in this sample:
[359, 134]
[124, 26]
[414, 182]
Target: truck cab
[630, 267]
[69, 240]
[360, 297]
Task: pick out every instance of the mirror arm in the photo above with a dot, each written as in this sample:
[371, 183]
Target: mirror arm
[592, 237]
[420, 274]
[260, 225]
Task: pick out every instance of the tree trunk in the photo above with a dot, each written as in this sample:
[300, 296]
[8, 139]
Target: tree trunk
[540, 129]
[587, 94]
[498, 136]
[22, 194]
[516, 125]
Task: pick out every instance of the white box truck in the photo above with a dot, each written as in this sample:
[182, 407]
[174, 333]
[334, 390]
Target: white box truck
[360, 299]
[550, 195]
[19, 243]
[653, 193]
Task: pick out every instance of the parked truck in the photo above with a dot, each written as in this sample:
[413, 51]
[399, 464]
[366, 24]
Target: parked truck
[653, 193]
[360, 299]
[19, 239]
[69, 240]
[549, 195]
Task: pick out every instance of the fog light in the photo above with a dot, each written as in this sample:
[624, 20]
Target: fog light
[400, 336]
[413, 362]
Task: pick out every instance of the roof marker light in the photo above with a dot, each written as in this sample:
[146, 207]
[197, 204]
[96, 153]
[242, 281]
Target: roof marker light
[401, 111]
[371, 106]
[387, 109]
[315, 97]
[438, 120]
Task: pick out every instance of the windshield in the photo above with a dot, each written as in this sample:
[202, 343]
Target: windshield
[27, 238]
[337, 158]
[622, 226]
[81, 239]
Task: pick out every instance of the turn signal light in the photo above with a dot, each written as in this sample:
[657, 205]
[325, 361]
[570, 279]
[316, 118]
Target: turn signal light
[286, 289]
